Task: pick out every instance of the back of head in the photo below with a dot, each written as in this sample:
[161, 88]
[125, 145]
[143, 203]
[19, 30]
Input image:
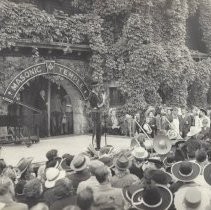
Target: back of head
[6, 186]
[63, 188]
[51, 154]
[102, 173]
[200, 155]
[85, 199]
[94, 165]
[33, 189]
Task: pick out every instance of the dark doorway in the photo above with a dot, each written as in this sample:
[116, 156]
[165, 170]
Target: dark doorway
[56, 117]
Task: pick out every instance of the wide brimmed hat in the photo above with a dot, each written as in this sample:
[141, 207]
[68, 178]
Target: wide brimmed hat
[52, 175]
[129, 190]
[161, 144]
[207, 173]
[122, 162]
[157, 198]
[79, 163]
[185, 171]
[22, 165]
[193, 131]
[195, 198]
[139, 153]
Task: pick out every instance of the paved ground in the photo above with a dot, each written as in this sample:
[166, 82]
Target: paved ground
[68, 144]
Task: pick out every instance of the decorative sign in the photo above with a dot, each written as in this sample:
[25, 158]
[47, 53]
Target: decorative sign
[49, 67]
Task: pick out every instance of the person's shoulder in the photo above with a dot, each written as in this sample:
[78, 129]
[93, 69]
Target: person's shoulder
[16, 206]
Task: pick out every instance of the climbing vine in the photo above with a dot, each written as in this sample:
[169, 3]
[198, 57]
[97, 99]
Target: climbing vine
[140, 44]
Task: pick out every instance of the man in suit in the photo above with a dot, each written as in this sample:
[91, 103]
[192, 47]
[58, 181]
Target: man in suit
[185, 122]
[42, 121]
[96, 104]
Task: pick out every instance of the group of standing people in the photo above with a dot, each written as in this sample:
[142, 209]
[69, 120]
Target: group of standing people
[60, 114]
[175, 122]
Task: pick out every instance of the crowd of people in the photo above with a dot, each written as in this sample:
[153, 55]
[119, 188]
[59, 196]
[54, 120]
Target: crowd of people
[175, 121]
[173, 174]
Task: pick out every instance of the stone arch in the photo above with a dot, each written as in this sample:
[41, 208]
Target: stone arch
[74, 85]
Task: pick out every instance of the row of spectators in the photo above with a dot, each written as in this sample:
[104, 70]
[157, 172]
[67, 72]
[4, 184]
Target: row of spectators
[112, 179]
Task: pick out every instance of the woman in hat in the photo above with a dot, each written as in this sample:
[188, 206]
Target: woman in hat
[52, 176]
[122, 176]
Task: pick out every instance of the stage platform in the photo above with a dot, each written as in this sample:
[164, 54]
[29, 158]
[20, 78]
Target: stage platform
[73, 144]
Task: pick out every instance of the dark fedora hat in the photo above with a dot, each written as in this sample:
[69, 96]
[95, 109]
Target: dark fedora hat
[155, 197]
[207, 173]
[122, 162]
[185, 171]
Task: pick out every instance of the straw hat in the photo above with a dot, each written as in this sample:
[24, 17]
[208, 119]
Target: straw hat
[22, 165]
[193, 131]
[52, 175]
[154, 197]
[207, 173]
[192, 198]
[185, 171]
[161, 144]
[139, 153]
[79, 163]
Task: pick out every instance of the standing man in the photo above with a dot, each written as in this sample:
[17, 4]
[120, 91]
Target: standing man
[185, 122]
[56, 114]
[96, 104]
[41, 104]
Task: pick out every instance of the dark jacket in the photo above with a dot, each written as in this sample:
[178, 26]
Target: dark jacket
[78, 177]
[63, 202]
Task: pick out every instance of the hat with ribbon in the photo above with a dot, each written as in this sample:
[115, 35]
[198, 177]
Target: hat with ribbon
[185, 171]
[155, 197]
[139, 153]
[22, 166]
[192, 198]
[79, 163]
[161, 144]
[52, 175]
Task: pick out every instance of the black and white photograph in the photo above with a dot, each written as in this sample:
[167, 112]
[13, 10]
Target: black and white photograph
[105, 104]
